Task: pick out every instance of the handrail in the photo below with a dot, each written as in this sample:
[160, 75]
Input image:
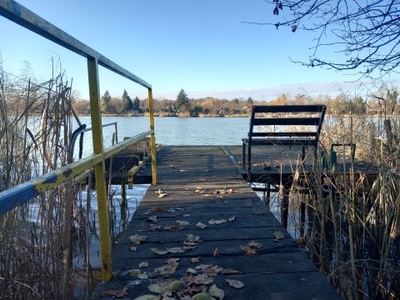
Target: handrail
[79, 131]
[17, 13]
[82, 129]
[20, 194]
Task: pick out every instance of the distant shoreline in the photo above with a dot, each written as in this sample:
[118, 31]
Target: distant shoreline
[157, 115]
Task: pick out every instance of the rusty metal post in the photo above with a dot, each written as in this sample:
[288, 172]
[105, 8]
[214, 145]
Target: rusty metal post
[152, 139]
[99, 168]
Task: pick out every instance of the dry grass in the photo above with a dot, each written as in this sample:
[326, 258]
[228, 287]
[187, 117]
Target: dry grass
[353, 217]
[38, 240]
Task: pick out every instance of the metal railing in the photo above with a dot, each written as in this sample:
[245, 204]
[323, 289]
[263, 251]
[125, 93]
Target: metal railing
[22, 193]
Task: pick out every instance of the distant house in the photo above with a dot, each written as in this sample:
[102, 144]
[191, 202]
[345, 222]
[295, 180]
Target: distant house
[223, 111]
[235, 111]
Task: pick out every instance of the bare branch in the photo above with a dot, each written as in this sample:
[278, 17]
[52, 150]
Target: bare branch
[364, 35]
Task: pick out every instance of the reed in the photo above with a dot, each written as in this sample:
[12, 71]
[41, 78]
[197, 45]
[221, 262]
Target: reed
[39, 241]
[353, 216]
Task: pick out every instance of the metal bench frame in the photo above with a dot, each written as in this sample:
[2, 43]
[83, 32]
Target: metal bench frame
[311, 116]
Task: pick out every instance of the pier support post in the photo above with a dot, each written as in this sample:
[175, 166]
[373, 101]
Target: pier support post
[302, 216]
[285, 205]
[267, 195]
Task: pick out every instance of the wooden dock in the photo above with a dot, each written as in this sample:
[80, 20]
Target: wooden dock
[203, 229]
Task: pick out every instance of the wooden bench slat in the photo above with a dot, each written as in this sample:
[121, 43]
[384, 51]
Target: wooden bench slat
[286, 121]
[284, 142]
[288, 108]
[285, 134]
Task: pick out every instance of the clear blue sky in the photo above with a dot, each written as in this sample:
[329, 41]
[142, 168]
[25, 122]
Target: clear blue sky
[200, 46]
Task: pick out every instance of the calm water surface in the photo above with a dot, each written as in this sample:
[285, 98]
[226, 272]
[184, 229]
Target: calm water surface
[175, 131]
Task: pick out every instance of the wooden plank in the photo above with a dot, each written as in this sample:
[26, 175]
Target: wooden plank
[287, 142]
[288, 108]
[289, 121]
[285, 134]
[201, 185]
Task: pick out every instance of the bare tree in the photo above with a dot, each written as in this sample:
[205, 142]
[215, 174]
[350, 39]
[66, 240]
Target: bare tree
[360, 35]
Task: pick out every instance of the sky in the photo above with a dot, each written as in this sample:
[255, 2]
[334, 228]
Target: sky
[204, 47]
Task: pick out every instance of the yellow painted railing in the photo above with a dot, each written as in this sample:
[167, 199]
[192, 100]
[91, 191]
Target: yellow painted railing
[20, 194]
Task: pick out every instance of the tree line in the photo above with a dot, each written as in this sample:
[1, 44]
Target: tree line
[384, 100]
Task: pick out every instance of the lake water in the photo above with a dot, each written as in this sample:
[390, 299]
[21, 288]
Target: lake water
[174, 131]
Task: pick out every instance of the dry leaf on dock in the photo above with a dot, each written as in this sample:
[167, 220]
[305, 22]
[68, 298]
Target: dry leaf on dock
[235, 283]
[137, 239]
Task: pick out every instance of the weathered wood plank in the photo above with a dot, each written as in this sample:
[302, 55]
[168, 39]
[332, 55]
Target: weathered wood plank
[200, 184]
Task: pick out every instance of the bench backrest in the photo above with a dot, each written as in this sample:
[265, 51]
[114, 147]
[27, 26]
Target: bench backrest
[286, 123]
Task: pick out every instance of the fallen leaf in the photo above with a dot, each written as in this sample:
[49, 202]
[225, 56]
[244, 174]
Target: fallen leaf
[230, 271]
[176, 250]
[192, 238]
[164, 270]
[253, 244]
[175, 286]
[190, 244]
[116, 293]
[152, 219]
[133, 248]
[212, 270]
[159, 251]
[168, 269]
[217, 222]
[203, 279]
[203, 296]
[143, 264]
[173, 261]
[143, 276]
[201, 225]
[195, 260]
[191, 271]
[162, 195]
[137, 239]
[232, 218]
[158, 288]
[135, 272]
[154, 227]
[216, 252]
[202, 267]
[248, 250]
[175, 227]
[279, 235]
[235, 283]
[148, 297]
[216, 292]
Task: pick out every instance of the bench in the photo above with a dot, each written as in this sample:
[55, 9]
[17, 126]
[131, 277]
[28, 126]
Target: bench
[282, 125]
